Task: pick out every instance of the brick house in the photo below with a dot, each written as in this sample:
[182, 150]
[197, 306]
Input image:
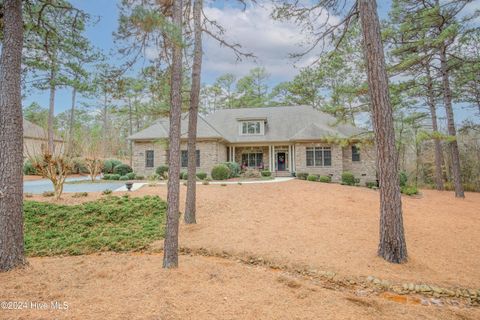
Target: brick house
[284, 140]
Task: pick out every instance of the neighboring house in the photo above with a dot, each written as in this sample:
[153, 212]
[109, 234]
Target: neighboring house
[283, 140]
[35, 140]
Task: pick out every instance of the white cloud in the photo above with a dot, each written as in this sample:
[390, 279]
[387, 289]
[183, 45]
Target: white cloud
[269, 40]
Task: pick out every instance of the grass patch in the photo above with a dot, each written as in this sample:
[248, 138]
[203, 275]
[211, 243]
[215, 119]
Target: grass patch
[110, 224]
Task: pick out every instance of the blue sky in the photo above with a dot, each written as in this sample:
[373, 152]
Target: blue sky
[271, 41]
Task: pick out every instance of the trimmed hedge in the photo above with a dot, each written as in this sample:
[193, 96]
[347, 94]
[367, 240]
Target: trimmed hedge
[348, 178]
[371, 184]
[110, 164]
[124, 178]
[409, 190]
[201, 175]
[131, 175]
[115, 176]
[122, 169]
[266, 173]
[312, 177]
[220, 172]
[183, 175]
[302, 175]
[325, 179]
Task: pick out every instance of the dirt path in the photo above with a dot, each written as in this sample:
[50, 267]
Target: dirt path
[134, 286]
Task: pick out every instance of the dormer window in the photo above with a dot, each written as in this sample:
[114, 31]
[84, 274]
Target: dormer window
[252, 127]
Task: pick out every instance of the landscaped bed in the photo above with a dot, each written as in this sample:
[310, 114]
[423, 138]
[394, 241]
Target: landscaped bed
[109, 224]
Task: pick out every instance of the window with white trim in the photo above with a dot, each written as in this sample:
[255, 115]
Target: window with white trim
[251, 127]
[355, 153]
[319, 156]
[149, 158]
[252, 160]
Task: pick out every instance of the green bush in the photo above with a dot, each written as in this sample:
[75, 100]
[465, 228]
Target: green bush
[312, 177]
[348, 178]
[266, 173]
[201, 175]
[122, 169]
[220, 172]
[107, 192]
[109, 224]
[162, 171]
[115, 177]
[131, 175]
[107, 176]
[139, 177]
[124, 178]
[48, 194]
[371, 184]
[326, 179]
[28, 168]
[234, 169]
[302, 175]
[403, 179]
[184, 175]
[109, 165]
[409, 190]
[79, 166]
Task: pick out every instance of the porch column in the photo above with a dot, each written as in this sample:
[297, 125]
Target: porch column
[290, 158]
[270, 158]
[273, 159]
[233, 154]
[293, 159]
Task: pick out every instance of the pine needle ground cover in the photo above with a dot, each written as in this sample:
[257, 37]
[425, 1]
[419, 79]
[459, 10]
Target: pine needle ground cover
[109, 224]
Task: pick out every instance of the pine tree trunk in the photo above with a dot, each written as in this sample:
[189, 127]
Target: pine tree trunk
[190, 206]
[170, 252]
[130, 129]
[51, 110]
[392, 245]
[72, 121]
[453, 145]
[105, 126]
[438, 147]
[11, 139]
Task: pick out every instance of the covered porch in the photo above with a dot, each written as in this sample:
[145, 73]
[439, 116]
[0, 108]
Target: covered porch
[277, 158]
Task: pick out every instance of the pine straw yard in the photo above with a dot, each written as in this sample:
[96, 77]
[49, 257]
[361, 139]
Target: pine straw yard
[293, 226]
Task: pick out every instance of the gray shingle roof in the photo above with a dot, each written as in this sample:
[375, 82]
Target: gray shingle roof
[282, 124]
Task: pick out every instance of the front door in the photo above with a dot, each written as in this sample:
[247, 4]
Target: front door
[281, 164]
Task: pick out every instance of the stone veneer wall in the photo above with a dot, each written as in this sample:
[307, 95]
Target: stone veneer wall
[264, 149]
[335, 170]
[366, 168]
[211, 153]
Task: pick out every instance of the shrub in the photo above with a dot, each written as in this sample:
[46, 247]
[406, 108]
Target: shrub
[312, 177]
[302, 175]
[326, 179]
[48, 193]
[115, 177]
[131, 175]
[153, 177]
[371, 184]
[234, 169]
[79, 166]
[124, 178]
[162, 171]
[348, 178]
[110, 164]
[220, 172]
[107, 192]
[28, 168]
[201, 175]
[122, 169]
[409, 190]
[139, 177]
[250, 173]
[107, 176]
[223, 184]
[266, 173]
[403, 179]
[184, 175]
[205, 182]
[80, 194]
